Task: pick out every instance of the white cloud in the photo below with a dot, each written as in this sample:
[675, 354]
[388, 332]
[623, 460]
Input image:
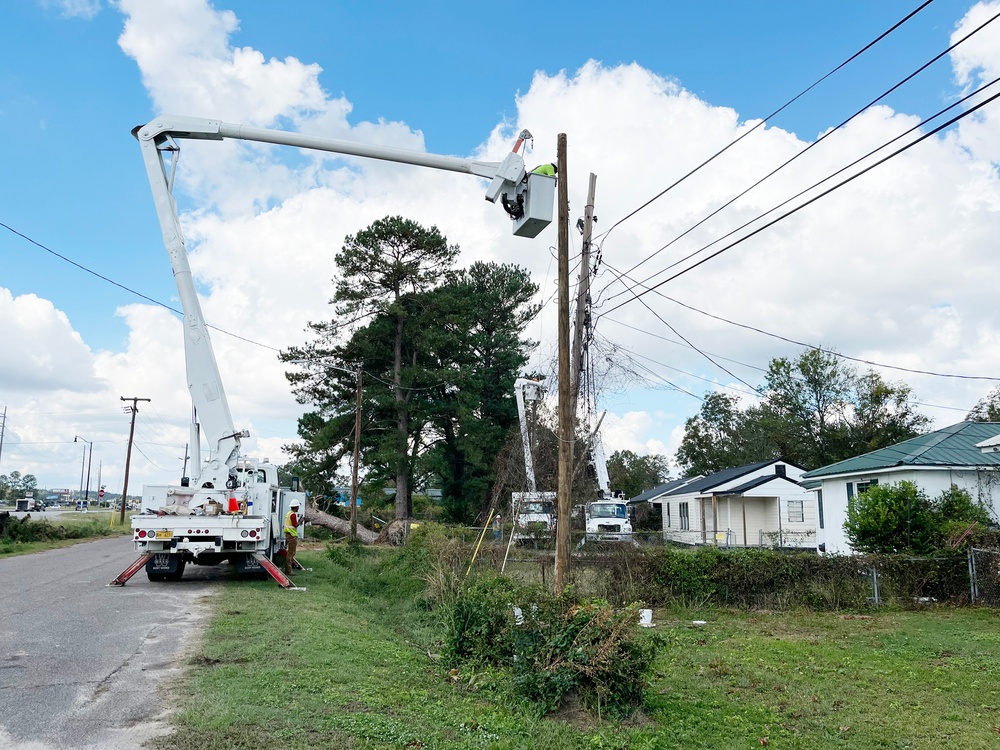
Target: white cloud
[85, 9]
[50, 354]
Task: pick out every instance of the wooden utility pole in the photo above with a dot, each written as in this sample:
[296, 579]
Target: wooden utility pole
[565, 401]
[582, 324]
[134, 409]
[357, 455]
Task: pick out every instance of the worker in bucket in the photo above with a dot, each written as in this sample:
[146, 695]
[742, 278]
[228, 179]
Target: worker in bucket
[550, 170]
[293, 519]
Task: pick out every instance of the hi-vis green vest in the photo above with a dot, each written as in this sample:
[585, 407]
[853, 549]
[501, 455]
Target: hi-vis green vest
[546, 169]
[292, 524]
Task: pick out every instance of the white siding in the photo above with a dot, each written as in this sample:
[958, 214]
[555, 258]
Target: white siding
[933, 481]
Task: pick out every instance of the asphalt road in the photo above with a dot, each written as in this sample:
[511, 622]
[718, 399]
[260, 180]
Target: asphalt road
[85, 666]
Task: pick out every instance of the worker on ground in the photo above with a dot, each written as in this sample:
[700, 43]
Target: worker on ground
[497, 528]
[551, 170]
[293, 519]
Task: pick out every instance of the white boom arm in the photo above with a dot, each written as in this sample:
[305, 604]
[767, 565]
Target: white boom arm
[161, 136]
[530, 390]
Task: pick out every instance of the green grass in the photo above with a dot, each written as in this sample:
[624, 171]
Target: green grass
[352, 663]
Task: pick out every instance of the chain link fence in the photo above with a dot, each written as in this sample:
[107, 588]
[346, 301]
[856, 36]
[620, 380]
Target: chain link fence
[984, 572]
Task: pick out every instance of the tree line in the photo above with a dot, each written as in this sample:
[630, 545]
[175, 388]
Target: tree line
[438, 349]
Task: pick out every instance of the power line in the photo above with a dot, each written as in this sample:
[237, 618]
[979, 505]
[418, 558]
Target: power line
[809, 202]
[125, 288]
[864, 49]
[620, 276]
[821, 138]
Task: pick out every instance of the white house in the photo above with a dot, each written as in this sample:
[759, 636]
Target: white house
[761, 504]
[964, 454]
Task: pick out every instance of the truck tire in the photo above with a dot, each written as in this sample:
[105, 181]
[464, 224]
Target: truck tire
[177, 574]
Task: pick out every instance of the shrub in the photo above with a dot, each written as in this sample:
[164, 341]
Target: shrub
[554, 646]
[588, 648]
[480, 621]
[892, 518]
[899, 517]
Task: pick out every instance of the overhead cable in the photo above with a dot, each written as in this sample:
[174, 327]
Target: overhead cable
[624, 275]
[809, 202]
[817, 142]
[802, 93]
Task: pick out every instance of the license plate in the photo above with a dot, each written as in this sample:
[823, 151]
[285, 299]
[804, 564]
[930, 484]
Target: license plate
[164, 535]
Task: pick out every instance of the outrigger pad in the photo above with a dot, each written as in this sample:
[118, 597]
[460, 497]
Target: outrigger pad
[280, 578]
[131, 570]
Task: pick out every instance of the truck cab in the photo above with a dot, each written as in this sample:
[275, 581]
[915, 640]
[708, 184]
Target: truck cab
[608, 521]
[535, 515]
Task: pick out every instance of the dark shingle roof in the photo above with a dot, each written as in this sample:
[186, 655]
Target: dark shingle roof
[660, 490]
[705, 484]
[950, 446]
[753, 483]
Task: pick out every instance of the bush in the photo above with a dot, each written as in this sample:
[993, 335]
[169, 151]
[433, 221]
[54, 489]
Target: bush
[588, 648]
[554, 646]
[895, 518]
[27, 530]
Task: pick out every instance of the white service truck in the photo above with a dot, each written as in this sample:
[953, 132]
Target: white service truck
[232, 508]
[608, 521]
[607, 518]
[534, 512]
[243, 525]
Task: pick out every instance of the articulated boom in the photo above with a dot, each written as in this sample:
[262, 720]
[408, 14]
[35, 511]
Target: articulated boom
[233, 509]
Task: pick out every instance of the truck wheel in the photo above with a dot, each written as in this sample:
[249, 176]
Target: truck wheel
[176, 575]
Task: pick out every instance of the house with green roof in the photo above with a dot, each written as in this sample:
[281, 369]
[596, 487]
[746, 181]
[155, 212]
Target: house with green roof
[966, 454]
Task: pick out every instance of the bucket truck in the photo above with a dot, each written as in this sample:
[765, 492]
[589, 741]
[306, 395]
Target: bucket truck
[533, 511]
[607, 518]
[233, 507]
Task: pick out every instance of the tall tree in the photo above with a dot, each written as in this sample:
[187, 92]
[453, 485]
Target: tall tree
[379, 266]
[476, 346]
[632, 474]
[806, 403]
[815, 410]
[454, 358]
[722, 435]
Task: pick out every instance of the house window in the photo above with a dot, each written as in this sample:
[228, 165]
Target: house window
[863, 486]
[819, 504]
[685, 518]
[795, 512]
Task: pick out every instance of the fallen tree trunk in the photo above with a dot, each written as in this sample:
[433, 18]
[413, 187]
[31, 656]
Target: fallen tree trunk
[319, 518]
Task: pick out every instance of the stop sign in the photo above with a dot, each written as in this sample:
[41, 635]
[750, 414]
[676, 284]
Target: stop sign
[100, 493]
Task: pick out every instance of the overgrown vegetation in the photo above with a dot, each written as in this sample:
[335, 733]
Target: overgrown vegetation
[554, 647]
[900, 517]
[21, 535]
[771, 579]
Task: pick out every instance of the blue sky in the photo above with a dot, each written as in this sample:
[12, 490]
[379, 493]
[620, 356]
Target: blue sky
[449, 74]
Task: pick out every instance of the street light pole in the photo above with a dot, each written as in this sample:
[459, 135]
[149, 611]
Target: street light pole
[89, 453]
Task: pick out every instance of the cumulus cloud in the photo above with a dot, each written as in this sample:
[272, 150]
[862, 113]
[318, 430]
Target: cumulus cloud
[50, 354]
[895, 268]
